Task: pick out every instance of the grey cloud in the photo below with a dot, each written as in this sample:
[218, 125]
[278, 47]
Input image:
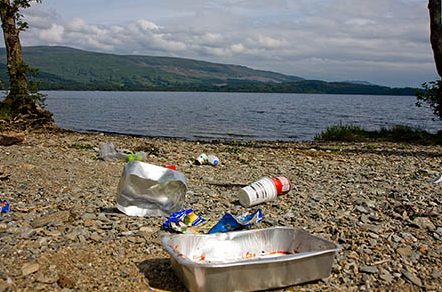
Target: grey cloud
[329, 39]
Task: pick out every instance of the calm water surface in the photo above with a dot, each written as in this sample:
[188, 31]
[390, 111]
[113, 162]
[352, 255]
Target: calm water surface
[239, 116]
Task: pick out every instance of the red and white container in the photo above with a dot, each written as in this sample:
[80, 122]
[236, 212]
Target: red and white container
[264, 190]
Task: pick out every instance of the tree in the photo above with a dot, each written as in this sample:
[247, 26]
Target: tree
[432, 93]
[434, 7]
[21, 100]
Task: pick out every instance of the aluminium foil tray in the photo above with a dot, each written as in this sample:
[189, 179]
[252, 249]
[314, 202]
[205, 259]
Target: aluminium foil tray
[249, 260]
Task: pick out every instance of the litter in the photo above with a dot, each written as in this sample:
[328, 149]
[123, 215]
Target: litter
[183, 221]
[5, 207]
[207, 159]
[107, 151]
[263, 190]
[150, 190]
[249, 260]
[230, 223]
[437, 180]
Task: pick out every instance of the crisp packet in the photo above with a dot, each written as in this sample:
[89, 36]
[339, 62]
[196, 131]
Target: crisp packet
[4, 206]
[182, 221]
[229, 223]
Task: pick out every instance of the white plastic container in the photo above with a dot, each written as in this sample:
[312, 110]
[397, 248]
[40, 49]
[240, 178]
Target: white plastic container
[264, 190]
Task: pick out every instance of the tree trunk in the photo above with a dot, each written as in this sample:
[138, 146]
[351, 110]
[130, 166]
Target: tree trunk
[434, 7]
[18, 84]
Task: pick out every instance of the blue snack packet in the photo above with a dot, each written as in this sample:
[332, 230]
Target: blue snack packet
[5, 207]
[230, 223]
[182, 220]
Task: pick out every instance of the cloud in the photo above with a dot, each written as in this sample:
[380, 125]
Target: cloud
[321, 39]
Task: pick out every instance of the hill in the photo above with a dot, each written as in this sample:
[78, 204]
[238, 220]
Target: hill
[63, 68]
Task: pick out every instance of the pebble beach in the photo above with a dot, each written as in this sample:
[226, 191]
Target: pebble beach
[378, 201]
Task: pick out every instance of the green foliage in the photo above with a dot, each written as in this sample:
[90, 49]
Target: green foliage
[5, 112]
[82, 146]
[432, 95]
[403, 134]
[342, 133]
[62, 68]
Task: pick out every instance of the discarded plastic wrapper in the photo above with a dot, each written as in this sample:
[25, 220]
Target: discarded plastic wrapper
[108, 151]
[249, 260]
[182, 221]
[229, 223]
[5, 207]
[437, 180]
[150, 190]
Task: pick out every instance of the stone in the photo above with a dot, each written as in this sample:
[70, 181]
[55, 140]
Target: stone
[9, 139]
[404, 251]
[29, 268]
[148, 229]
[61, 216]
[65, 282]
[362, 209]
[424, 223]
[369, 269]
[412, 278]
[386, 276]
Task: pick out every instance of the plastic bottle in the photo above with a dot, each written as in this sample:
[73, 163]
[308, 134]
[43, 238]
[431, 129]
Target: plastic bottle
[264, 190]
[212, 160]
[202, 159]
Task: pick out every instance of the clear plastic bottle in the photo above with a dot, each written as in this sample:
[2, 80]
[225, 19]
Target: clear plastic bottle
[212, 160]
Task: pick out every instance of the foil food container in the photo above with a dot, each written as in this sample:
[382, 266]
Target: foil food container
[150, 190]
[249, 260]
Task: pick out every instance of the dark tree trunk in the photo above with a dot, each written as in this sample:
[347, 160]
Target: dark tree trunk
[20, 103]
[18, 84]
[434, 7]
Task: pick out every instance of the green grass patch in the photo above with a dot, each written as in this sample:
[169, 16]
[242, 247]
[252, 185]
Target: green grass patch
[82, 146]
[401, 134]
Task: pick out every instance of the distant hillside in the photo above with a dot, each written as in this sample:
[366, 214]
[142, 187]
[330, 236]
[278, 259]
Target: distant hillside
[63, 68]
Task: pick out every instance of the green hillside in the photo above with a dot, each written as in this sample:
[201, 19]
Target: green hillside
[62, 68]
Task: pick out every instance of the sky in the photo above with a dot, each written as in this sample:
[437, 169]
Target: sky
[385, 42]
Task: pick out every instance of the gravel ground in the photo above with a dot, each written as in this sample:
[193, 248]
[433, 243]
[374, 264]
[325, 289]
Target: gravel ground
[63, 233]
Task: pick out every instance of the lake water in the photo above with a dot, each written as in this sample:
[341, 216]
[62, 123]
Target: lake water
[239, 116]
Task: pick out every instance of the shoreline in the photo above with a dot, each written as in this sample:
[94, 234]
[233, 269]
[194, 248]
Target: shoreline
[374, 199]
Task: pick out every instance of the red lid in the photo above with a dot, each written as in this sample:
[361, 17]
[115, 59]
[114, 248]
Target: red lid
[170, 166]
[282, 185]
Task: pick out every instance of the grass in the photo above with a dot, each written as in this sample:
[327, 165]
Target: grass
[402, 134]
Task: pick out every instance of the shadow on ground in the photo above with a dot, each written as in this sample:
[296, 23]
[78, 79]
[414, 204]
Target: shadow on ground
[160, 274]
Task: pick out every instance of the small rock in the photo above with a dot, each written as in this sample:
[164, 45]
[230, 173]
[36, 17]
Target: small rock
[424, 223]
[412, 278]
[404, 251]
[29, 268]
[424, 249]
[439, 230]
[61, 216]
[96, 237]
[4, 286]
[362, 209]
[387, 277]
[436, 274]
[88, 223]
[8, 139]
[148, 229]
[65, 282]
[396, 238]
[136, 239]
[47, 279]
[369, 269]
